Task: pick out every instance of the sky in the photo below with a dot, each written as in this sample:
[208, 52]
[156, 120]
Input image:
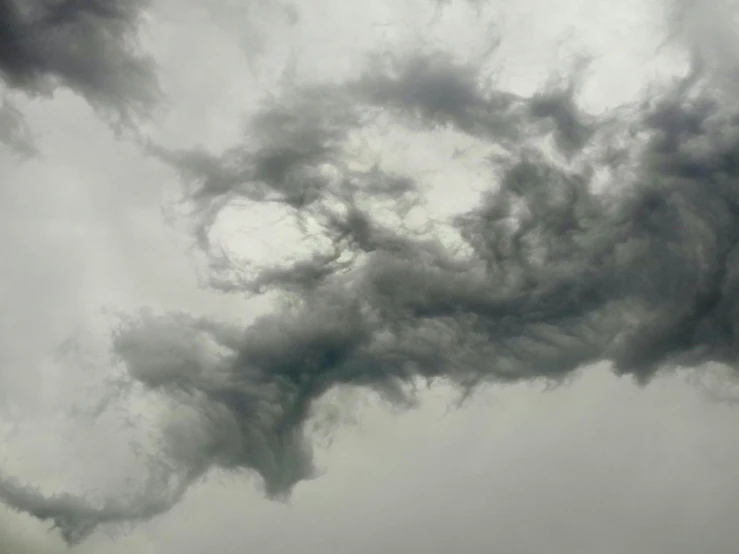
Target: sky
[407, 276]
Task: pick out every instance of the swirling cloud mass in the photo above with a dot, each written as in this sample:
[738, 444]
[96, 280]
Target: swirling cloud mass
[601, 237]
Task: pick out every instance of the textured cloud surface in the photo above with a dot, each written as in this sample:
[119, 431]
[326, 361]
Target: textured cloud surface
[600, 238]
[87, 46]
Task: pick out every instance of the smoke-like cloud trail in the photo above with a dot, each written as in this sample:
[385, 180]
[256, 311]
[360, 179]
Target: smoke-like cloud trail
[611, 238]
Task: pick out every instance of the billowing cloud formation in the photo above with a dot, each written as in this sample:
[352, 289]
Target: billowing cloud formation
[602, 239]
[84, 45]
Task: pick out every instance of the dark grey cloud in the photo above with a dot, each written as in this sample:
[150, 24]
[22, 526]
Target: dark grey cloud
[88, 46]
[550, 272]
[294, 153]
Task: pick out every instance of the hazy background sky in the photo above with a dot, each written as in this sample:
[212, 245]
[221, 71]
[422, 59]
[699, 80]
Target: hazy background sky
[92, 229]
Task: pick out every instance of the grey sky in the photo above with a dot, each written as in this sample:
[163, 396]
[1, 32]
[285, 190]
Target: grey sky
[598, 464]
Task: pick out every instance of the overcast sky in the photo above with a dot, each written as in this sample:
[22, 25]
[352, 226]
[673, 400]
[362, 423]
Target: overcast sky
[237, 313]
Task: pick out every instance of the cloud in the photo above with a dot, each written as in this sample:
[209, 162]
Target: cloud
[87, 46]
[14, 131]
[551, 270]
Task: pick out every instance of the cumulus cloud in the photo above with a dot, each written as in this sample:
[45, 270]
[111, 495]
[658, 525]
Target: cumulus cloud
[611, 238]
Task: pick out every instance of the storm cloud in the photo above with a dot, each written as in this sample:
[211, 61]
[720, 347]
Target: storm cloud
[600, 238]
[87, 46]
